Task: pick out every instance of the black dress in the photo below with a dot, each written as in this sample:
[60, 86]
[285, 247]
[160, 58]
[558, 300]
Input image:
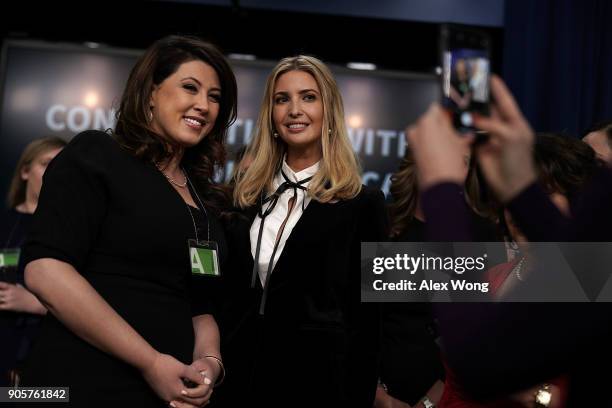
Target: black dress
[410, 359]
[315, 344]
[120, 224]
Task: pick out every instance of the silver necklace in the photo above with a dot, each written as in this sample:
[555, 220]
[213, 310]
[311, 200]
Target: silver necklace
[195, 229]
[517, 269]
[170, 179]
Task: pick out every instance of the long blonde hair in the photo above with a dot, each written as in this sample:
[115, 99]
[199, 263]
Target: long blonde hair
[338, 177]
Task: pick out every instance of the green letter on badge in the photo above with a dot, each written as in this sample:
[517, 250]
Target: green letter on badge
[203, 261]
[9, 257]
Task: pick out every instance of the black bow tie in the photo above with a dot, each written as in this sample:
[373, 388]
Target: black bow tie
[286, 185]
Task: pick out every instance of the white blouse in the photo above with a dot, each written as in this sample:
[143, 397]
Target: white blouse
[276, 218]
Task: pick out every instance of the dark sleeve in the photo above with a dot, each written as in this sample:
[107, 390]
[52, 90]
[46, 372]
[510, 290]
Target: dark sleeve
[541, 221]
[447, 214]
[202, 293]
[374, 221]
[365, 320]
[537, 217]
[72, 203]
[522, 343]
[591, 216]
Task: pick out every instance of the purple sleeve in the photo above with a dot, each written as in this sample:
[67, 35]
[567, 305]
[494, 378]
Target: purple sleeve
[592, 221]
[541, 221]
[537, 217]
[447, 214]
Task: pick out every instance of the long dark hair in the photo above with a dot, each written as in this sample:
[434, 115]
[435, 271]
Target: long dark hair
[564, 163]
[134, 132]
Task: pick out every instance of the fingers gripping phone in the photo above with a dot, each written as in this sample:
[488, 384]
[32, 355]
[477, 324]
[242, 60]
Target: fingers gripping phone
[466, 70]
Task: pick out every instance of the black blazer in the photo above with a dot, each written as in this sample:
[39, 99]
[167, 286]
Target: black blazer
[315, 344]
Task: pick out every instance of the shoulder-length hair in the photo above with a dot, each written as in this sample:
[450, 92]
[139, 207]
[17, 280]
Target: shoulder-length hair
[133, 129]
[405, 194]
[17, 189]
[338, 177]
[404, 191]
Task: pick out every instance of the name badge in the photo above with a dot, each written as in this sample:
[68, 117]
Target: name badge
[203, 258]
[9, 257]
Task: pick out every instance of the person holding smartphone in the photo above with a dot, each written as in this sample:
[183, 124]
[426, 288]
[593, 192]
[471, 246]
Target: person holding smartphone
[116, 245]
[576, 342]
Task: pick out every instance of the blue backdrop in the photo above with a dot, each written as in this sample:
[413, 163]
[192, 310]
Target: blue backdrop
[558, 61]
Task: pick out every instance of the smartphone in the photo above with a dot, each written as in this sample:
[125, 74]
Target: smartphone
[466, 70]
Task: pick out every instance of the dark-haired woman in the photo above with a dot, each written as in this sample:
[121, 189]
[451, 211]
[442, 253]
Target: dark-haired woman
[126, 240]
[411, 370]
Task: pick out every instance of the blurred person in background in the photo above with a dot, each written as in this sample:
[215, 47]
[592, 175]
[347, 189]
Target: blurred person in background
[411, 371]
[599, 137]
[20, 310]
[552, 343]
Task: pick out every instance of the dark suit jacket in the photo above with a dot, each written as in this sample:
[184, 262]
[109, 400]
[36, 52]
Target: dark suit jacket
[315, 344]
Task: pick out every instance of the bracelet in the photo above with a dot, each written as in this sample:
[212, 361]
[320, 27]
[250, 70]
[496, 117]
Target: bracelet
[427, 403]
[219, 380]
[383, 385]
[543, 396]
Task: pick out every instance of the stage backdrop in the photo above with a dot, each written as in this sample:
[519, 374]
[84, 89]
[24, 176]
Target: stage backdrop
[61, 89]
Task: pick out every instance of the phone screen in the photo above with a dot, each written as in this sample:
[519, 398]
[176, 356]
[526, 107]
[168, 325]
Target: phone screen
[466, 70]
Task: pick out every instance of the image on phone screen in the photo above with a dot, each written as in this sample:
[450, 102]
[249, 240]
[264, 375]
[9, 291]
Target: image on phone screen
[465, 84]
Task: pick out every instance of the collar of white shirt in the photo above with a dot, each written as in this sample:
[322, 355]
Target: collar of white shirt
[293, 176]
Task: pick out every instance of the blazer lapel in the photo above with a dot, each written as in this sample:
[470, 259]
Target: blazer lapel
[304, 226]
[307, 224]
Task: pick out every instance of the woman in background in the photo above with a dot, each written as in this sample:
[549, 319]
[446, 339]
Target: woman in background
[411, 369]
[20, 310]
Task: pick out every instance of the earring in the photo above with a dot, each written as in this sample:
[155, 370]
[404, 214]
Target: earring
[329, 131]
[275, 134]
[150, 116]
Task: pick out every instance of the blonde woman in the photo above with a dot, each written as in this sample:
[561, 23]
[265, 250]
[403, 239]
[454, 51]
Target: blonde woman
[296, 332]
